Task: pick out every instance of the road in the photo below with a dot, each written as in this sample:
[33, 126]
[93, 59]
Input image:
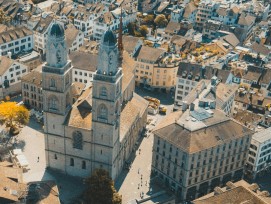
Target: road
[135, 183]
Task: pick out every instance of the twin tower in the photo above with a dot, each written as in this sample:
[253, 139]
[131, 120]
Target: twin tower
[99, 143]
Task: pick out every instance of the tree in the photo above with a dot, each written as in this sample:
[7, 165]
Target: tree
[101, 189]
[161, 20]
[131, 28]
[3, 17]
[13, 115]
[148, 19]
[143, 30]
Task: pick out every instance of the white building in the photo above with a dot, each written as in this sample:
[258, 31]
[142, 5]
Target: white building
[84, 17]
[84, 67]
[75, 37]
[40, 28]
[11, 73]
[16, 40]
[111, 20]
[259, 157]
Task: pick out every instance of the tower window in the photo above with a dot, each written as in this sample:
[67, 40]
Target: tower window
[53, 103]
[103, 92]
[55, 157]
[83, 164]
[71, 162]
[102, 112]
[77, 140]
[52, 82]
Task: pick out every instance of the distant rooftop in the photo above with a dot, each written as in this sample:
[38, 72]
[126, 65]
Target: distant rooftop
[263, 135]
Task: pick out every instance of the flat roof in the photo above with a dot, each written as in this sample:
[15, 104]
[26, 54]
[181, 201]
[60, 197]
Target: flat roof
[263, 135]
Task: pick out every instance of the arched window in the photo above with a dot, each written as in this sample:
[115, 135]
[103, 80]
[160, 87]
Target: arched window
[52, 82]
[102, 111]
[103, 92]
[53, 103]
[77, 140]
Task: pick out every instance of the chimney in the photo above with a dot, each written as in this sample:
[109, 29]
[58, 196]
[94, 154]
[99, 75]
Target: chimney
[218, 191]
[9, 54]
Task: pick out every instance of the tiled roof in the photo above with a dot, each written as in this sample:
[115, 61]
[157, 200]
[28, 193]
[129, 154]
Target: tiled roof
[43, 24]
[71, 33]
[33, 77]
[14, 34]
[150, 54]
[189, 9]
[5, 64]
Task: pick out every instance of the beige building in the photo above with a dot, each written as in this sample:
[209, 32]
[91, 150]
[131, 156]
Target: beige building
[101, 128]
[199, 148]
[155, 69]
[32, 90]
[238, 192]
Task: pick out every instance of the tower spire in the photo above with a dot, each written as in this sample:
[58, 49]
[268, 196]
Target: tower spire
[120, 45]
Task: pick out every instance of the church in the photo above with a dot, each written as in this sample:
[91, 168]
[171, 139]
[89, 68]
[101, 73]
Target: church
[100, 127]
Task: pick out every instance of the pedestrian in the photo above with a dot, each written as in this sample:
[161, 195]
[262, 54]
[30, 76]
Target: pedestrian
[38, 159]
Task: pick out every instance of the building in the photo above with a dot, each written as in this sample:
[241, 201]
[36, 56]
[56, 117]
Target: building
[32, 60]
[84, 67]
[155, 69]
[100, 128]
[205, 12]
[75, 38]
[189, 75]
[199, 148]
[40, 28]
[11, 72]
[14, 190]
[16, 40]
[259, 156]
[32, 90]
[237, 192]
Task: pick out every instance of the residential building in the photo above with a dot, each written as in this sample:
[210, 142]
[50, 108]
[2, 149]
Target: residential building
[32, 90]
[14, 190]
[205, 12]
[111, 20]
[189, 75]
[227, 14]
[259, 156]
[132, 44]
[75, 38]
[199, 148]
[84, 67]
[190, 12]
[155, 69]
[236, 192]
[95, 121]
[40, 28]
[11, 72]
[32, 60]
[16, 40]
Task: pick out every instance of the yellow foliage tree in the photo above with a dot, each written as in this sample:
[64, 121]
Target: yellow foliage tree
[13, 114]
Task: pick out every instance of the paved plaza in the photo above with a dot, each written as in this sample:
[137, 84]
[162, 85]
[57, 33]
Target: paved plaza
[31, 141]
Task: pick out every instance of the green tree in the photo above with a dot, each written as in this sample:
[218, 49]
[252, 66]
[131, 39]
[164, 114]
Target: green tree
[3, 17]
[143, 30]
[161, 20]
[101, 189]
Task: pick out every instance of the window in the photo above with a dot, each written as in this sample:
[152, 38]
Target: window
[52, 83]
[102, 112]
[53, 103]
[71, 162]
[83, 164]
[77, 140]
[103, 92]
[55, 157]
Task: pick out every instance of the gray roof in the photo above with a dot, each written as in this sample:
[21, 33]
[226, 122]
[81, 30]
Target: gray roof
[150, 53]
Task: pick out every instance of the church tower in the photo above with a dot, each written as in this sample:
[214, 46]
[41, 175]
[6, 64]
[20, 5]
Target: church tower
[106, 105]
[57, 99]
